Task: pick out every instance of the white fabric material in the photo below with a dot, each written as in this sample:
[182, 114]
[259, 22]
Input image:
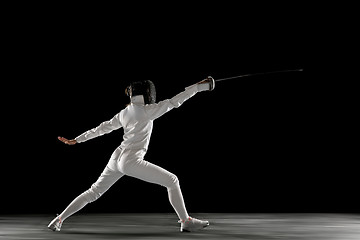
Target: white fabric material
[137, 119]
[128, 159]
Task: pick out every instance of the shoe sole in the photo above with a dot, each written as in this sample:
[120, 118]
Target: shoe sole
[194, 229]
[53, 228]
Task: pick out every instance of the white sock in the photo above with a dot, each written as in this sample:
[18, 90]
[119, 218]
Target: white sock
[177, 201]
[77, 204]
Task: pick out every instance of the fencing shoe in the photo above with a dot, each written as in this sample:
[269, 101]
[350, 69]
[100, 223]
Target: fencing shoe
[192, 224]
[55, 224]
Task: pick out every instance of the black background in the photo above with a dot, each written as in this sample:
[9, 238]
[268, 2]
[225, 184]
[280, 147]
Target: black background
[266, 143]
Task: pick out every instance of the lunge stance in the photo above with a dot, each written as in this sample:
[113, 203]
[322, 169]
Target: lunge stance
[128, 159]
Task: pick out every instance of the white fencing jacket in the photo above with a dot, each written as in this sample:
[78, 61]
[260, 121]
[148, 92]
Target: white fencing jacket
[137, 119]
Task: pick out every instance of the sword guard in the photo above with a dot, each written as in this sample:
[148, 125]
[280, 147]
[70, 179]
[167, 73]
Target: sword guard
[211, 83]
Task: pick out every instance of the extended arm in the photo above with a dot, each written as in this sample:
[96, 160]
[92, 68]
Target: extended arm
[156, 110]
[103, 128]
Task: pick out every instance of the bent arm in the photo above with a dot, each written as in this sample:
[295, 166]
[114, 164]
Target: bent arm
[103, 128]
[157, 110]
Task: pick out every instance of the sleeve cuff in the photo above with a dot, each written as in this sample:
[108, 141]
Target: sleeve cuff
[80, 139]
[203, 87]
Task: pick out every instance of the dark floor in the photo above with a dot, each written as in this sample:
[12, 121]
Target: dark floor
[165, 226]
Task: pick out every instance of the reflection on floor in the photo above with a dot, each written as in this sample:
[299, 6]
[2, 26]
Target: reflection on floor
[164, 226]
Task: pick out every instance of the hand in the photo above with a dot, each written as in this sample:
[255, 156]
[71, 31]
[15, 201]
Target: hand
[207, 80]
[66, 141]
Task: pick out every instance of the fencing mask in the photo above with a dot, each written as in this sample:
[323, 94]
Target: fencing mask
[145, 88]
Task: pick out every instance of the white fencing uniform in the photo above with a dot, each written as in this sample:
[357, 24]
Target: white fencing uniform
[128, 159]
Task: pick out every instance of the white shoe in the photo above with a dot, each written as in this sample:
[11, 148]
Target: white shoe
[192, 224]
[55, 224]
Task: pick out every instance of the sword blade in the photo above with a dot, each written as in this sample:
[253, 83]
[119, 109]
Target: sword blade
[255, 74]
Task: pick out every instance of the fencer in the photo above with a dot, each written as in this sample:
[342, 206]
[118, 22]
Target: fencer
[128, 159]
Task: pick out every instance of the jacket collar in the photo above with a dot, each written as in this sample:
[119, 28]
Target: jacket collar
[138, 99]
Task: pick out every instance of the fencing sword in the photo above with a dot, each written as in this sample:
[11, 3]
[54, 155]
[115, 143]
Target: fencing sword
[260, 73]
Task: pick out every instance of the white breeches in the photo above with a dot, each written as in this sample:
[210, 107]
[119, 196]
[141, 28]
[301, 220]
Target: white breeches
[131, 163]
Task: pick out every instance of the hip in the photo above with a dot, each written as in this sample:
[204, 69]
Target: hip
[121, 152]
[125, 156]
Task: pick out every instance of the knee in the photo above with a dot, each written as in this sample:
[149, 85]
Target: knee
[173, 182]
